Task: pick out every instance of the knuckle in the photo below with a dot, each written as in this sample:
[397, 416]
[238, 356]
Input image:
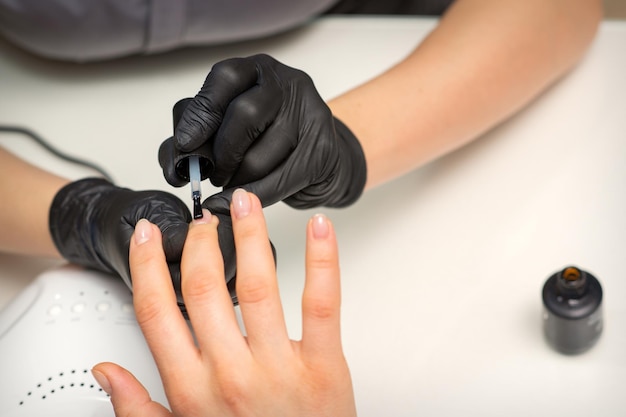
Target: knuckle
[233, 389]
[303, 77]
[183, 401]
[227, 71]
[253, 168]
[252, 290]
[322, 114]
[148, 310]
[248, 231]
[224, 69]
[141, 259]
[247, 111]
[203, 285]
[320, 308]
[265, 58]
[323, 262]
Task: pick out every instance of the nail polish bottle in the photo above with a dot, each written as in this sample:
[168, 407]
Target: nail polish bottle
[572, 318]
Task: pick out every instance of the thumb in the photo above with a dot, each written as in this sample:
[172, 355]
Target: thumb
[128, 396]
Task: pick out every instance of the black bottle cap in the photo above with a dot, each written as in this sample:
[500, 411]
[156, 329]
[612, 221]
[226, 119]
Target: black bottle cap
[572, 293]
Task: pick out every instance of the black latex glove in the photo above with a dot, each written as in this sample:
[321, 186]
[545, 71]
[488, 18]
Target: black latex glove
[265, 128]
[92, 221]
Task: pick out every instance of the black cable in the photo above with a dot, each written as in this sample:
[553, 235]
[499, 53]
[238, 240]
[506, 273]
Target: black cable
[62, 155]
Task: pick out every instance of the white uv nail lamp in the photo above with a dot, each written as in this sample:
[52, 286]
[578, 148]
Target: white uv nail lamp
[55, 331]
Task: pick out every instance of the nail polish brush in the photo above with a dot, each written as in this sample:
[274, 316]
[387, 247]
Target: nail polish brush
[194, 181]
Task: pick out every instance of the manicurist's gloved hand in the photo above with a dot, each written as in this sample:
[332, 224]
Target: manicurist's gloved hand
[268, 131]
[92, 221]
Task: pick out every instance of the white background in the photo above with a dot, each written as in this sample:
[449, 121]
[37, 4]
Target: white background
[442, 269]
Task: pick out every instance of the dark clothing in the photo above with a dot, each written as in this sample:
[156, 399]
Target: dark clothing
[93, 30]
[391, 7]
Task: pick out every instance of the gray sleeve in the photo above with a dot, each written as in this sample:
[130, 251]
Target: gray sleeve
[89, 30]
[76, 30]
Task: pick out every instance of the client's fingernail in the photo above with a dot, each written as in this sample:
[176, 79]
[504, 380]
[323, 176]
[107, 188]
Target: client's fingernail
[241, 203]
[102, 380]
[320, 226]
[143, 231]
[205, 219]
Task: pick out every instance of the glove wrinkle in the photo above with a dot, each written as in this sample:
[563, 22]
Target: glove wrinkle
[92, 222]
[71, 233]
[269, 132]
[272, 134]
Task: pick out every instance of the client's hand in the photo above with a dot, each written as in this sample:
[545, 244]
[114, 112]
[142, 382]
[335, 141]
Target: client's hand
[225, 373]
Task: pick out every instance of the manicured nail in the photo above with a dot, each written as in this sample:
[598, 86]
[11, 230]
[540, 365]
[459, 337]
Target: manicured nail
[143, 231]
[241, 203]
[205, 219]
[102, 380]
[320, 226]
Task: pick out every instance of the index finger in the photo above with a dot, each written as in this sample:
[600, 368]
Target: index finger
[156, 309]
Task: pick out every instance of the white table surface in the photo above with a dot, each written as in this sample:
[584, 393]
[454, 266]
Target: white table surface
[442, 269]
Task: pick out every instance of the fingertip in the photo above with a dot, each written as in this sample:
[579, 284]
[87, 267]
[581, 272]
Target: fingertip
[200, 227]
[99, 374]
[110, 375]
[241, 203]
[196, 123]
[145, 245]
[143, 232]
[183, 138]
[202, 232]
[128, 396]
[183, 141]
[206, 218]
[320, 226]
[146, 237]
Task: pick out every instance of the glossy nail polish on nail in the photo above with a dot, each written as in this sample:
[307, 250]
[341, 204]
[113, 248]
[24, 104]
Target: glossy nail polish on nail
[143, 231]
[241, 203]
[320, 226]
